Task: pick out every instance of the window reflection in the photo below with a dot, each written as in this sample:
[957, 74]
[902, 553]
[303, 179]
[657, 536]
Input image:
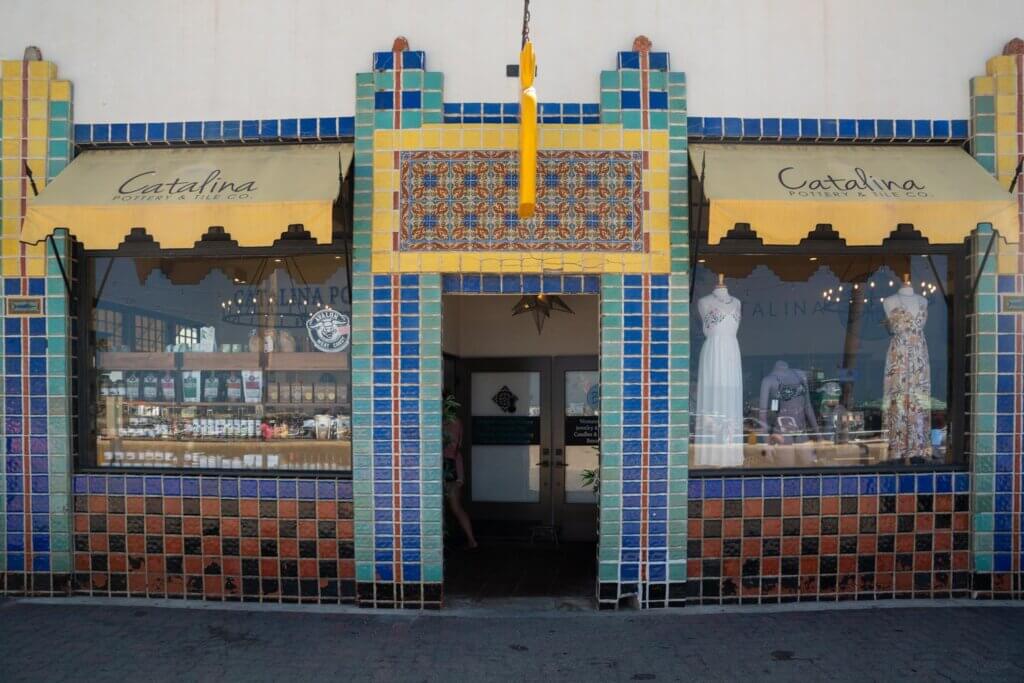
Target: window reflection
[821, 361]
[227, 363]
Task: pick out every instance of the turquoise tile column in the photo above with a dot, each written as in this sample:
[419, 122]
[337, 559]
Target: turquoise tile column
[982, 389]
[679, 338]
[997, 141]
[397, 369]
[362, 362]
[610, 590]
[35, 413]
[58, 403]
[645, 367]
[431, 485]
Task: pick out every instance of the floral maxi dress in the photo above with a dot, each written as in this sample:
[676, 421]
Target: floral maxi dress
[906, 407]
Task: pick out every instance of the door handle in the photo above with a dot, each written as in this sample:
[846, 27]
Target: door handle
[558, 451]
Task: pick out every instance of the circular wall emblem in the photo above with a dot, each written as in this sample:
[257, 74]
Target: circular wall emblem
[329, 330]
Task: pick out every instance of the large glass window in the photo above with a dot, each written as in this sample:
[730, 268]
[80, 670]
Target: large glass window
[220, 363]
[828, 360]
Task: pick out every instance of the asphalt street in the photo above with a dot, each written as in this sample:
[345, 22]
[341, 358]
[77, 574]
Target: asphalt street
[77, 640]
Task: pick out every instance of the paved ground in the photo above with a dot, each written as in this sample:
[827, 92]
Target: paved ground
[74, 641]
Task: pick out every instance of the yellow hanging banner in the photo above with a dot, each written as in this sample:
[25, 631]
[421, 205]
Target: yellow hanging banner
[527, 133]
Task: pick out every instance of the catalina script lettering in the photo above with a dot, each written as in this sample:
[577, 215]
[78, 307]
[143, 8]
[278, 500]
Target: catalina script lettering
[213, 184]
[863, 182]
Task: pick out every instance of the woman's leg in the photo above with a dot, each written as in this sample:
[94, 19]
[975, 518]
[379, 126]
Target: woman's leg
[454, 496]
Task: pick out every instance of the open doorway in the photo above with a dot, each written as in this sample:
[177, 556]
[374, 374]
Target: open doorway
[529, 406]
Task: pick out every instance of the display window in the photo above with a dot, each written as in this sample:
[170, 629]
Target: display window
[238, 362]
[826, 360]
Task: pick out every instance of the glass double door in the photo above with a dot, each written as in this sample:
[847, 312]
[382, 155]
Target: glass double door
[532, 435]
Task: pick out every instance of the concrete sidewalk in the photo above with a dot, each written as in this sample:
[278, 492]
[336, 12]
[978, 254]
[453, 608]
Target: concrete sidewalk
[76, 640]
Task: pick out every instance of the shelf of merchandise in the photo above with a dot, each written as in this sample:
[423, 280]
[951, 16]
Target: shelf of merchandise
[288, 453]
[281, 361]
[129, 402]
[118, 360]
[306, 360]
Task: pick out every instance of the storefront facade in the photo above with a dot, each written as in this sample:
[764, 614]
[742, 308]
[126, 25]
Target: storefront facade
[624, 207]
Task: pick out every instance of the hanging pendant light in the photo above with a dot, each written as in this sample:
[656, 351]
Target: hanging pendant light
[541, 306]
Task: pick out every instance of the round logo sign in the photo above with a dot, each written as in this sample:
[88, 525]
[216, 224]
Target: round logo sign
[329, 330]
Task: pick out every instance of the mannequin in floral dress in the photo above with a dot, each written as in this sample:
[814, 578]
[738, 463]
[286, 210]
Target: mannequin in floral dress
[906, 393]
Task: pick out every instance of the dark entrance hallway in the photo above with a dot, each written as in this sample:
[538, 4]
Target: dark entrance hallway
[516, 569]
[529, 409]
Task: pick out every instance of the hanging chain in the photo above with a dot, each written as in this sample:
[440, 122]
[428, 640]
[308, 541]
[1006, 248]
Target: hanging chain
[526, 21]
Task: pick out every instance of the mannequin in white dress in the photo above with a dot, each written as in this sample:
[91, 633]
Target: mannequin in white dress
[719, 430]
[906, 390]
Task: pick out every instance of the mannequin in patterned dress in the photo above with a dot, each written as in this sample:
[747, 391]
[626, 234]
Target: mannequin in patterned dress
[906, 393]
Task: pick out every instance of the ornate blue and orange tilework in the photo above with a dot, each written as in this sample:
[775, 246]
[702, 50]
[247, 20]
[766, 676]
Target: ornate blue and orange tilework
[828, 537]
[467, 200]
[261, 539]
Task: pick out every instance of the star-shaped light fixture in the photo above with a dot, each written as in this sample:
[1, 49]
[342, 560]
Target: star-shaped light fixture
[541, 306]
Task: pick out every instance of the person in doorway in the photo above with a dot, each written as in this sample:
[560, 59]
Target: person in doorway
[454, 471]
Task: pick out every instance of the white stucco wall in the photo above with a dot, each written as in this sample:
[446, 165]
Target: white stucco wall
[143, 60]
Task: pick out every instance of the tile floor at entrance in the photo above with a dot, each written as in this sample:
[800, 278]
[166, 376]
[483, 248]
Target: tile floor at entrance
[517, 569]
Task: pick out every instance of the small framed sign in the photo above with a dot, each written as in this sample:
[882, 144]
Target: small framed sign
[1012, 303]
[24, 306]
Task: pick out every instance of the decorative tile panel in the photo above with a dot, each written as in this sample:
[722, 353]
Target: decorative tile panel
[634, 246]
[468, 201]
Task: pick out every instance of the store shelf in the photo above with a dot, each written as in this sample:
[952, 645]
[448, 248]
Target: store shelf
[117, 360]
[297, 361]
[227, 404]
[128, 402]
[233, 454]
[306, 360]
[309, 404]
[191, 360]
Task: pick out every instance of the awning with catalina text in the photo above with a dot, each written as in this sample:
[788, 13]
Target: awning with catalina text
[784, 191]
[176, 195]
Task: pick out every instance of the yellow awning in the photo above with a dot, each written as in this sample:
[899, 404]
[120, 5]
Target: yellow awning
[784, 191]
[177, 194]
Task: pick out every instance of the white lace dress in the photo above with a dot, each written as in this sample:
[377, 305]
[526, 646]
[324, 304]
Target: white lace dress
[719, 426]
